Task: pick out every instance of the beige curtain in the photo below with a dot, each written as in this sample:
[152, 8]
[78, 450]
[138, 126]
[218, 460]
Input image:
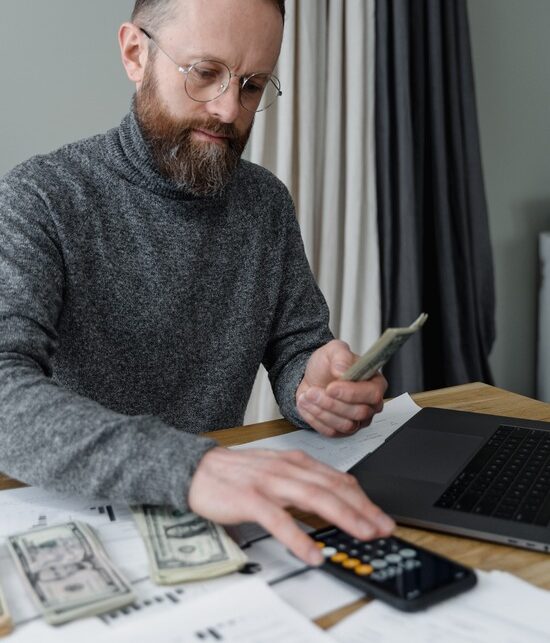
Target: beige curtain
[319, 140]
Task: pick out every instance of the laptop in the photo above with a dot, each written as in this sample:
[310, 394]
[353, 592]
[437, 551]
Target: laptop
[476, 475]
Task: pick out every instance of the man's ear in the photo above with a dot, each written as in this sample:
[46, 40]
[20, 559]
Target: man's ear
[134, 49]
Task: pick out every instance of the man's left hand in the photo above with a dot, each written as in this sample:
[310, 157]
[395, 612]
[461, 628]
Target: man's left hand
[333, 406]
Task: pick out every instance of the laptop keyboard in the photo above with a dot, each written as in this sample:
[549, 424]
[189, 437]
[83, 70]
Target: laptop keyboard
[508, 478]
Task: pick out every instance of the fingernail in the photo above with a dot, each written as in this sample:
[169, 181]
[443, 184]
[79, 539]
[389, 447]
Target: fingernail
[385, 522]
[367, 529]
[315, 557]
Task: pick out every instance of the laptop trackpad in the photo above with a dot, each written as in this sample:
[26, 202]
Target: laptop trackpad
[432, 456]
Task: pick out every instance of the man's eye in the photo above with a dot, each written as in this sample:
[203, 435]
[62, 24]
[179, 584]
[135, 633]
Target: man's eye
[252, 88]
[205, 74]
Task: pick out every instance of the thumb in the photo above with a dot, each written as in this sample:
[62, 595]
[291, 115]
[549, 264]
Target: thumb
[341, 359]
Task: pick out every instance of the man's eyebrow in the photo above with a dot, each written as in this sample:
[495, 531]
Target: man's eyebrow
[197, 56]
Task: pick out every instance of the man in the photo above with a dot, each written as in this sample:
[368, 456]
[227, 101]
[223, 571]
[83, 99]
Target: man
[147, 272]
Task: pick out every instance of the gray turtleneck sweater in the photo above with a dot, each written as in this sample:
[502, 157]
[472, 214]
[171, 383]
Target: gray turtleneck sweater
[134, 316]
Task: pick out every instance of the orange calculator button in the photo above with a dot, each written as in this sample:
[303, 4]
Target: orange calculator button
[340, 557]
[350, 563]
[320, 544]
[363, 570]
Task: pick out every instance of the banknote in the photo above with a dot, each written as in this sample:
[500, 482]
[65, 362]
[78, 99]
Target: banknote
[68, 572]
[380, 352]
[183, 546]
[5, 618]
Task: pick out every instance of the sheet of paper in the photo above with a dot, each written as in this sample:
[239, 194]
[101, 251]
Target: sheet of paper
[269, 561]
[343, 453]
[247, 613]
[500, 608]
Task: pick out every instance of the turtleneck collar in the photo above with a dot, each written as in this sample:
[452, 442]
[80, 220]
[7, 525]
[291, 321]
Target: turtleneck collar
[129, 154]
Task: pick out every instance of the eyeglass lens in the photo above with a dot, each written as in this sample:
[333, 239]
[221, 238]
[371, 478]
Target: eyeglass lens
[209, 79]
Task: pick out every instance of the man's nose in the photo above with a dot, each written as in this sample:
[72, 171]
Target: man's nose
[227, 106]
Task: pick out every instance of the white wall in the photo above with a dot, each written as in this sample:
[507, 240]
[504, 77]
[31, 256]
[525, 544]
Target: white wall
[511, 54]
[61, 78]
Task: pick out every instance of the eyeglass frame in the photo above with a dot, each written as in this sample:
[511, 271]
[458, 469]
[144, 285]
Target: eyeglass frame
[185, 69]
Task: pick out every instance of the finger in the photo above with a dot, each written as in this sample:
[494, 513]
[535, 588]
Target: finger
[315, 423]
[369, 392]
[341, 416]
[340, 425]
[278, 522]
[346, 506]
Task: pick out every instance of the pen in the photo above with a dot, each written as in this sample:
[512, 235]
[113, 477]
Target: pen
[296, 572]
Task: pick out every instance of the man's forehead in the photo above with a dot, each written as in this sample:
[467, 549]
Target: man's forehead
[244, 30]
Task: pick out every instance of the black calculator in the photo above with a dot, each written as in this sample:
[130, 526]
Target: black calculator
[393, 570]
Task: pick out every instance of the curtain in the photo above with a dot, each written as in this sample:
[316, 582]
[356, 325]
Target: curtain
[319, 140]
[435, 249]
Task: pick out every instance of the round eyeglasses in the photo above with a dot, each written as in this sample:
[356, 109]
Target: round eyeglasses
[207, 80]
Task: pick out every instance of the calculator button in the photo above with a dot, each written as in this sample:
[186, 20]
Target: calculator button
[366, 558]
[363, 570]
[380, 574]
[350, 563]
[320, 544]
[340, 557]
[407, 553]
[393, 558]
[411, 564]
[328, 552]
[367, 547]
[354, 552]
[378, 563]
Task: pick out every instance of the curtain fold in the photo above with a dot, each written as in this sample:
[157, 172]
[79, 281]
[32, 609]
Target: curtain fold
[319, 140]
[432, 216]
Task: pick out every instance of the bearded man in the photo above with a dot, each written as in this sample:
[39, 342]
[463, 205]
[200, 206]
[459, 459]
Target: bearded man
[148, 272]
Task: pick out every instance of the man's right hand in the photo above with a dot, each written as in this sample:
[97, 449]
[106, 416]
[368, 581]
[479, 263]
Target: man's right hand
[258, 485]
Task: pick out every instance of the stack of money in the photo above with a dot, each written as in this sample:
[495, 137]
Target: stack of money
[68, 572]
[183, 546]
[5, 619]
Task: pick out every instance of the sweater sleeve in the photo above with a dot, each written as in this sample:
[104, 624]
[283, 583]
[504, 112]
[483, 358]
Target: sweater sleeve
[300, 325]
[50, 436]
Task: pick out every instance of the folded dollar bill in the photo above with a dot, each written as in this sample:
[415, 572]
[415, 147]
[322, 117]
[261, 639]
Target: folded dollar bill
[380, 352]
[183, 546]
[68, 572]
[5, 619]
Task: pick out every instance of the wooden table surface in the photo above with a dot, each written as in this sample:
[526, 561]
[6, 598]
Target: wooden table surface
[482, 398]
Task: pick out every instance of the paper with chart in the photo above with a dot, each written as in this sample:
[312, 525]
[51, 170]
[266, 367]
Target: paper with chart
[247, 613]
[343, 453]
[311, 592]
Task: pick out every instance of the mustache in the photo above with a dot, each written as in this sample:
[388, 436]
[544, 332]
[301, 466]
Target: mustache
[183, 130]
[212, 125]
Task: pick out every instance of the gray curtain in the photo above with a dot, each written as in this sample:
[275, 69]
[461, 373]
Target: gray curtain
[434, 240]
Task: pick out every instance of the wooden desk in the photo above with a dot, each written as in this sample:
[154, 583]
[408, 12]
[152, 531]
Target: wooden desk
[481, 398]
[531, 566]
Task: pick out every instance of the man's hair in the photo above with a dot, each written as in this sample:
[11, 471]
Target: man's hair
[151, 14]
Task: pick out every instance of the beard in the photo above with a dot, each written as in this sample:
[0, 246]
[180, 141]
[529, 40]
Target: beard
[200, 167]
